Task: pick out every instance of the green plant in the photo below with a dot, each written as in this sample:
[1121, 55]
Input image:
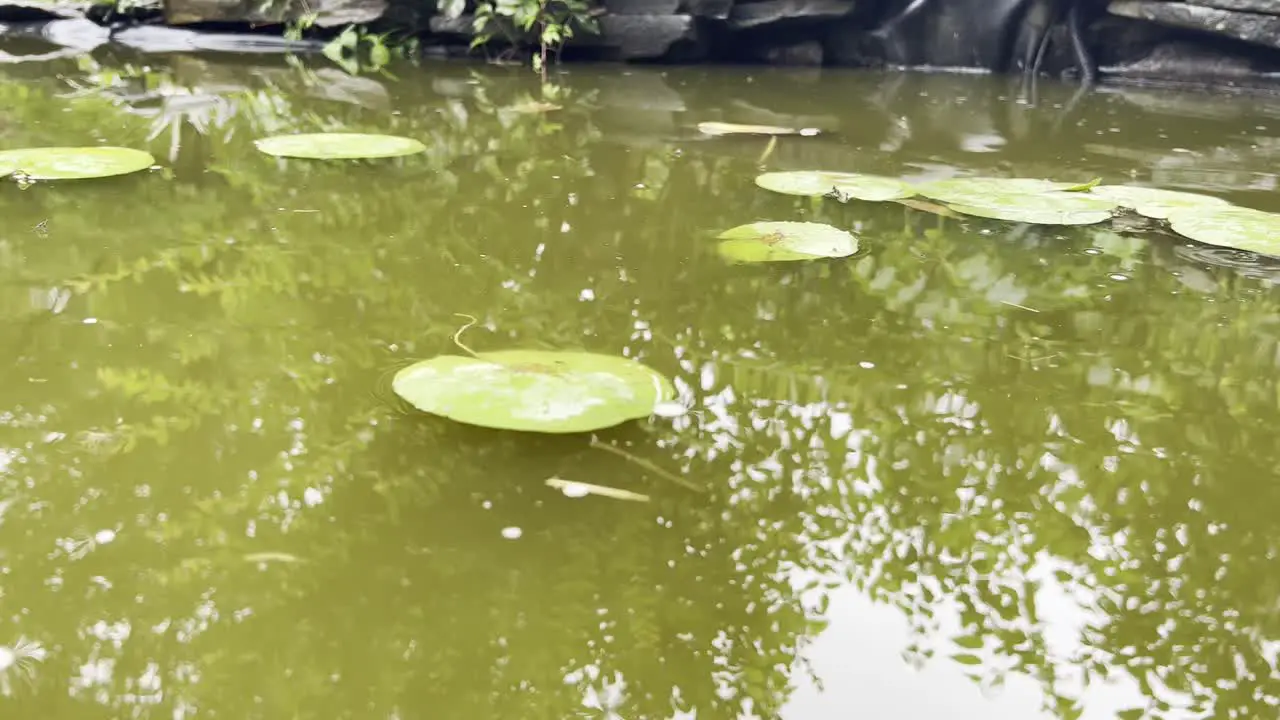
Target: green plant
[551, 22]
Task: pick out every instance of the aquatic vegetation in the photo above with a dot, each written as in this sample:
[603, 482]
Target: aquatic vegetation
[73, 163]
[534, 390]
[841, 185]
[785, 241]
[551, 23]
[574, 489]
[1154, 202]
[717, 129]
[339, 146]
[1235, 227]
[1050, 208]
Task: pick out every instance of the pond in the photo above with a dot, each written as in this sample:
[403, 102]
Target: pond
[976, 469]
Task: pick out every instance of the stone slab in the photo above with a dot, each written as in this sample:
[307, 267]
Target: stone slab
[1253, 28]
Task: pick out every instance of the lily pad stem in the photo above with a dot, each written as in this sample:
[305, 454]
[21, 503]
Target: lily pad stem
[647, 465]
[457, 336]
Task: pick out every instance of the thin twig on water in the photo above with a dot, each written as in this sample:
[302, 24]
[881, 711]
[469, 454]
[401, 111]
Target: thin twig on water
[647, 465]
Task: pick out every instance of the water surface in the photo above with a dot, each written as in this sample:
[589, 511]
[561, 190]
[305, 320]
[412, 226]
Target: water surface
[978, 470]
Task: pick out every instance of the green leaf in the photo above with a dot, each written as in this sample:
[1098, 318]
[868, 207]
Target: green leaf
[74, 163]
[1231, 227]
[1154, 202]
[785, 241]
[967, 659]
[534, 390]
[817, 183]
[339, 146]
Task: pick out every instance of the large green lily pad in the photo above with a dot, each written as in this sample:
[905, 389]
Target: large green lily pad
[339, 146]
[1154, 202]
[816, 183]
[1026, 200]
[785, 241]
[1231, 227]
[1053, 208]
[74, 163]
[980, 190]
[534, 390]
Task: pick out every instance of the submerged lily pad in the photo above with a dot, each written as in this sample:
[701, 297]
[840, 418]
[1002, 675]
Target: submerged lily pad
[73, 163]
[785, 241]
[339, 146]
[816, 183]
[717, 129]
[1234, 227]
[1154, 202]
[534, 390]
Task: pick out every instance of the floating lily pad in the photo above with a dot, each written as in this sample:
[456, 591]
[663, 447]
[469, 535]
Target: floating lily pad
[534, 390]
[1058, 208]
[980, 190]
[1154, 202]
[1231, 227]
[73, 163]
[816, 183]
[785, 241]
[722, 128]
[339, 146]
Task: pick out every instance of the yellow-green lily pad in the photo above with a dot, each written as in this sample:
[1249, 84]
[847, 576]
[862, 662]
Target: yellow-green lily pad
[1234, 227]
[339, 146]
[785, 241]
[73, 163]
[1154, 202]
[539, 391]
[817, 183]
[980, 190]
[1057, 208]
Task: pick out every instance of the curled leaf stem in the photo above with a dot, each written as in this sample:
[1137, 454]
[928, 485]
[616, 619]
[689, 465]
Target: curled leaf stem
[457, 336]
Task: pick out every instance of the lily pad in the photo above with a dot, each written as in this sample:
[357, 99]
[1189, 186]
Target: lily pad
[534, 390]
[339, 146]
[980, 190]
[1053, 208]
[816, 183]
[73, 163]
[785, 241]
[717, 129]
[1154, 202]
[1231, 227]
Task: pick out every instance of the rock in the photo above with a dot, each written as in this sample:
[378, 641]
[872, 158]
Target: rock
[652, 37]
[155, 39]
[16, 11]
[1249, 27]
[642, 7]
[80, 35]
[717, 9]
[802, 54]
[1266, 7]
[328, 13]
[757, 14]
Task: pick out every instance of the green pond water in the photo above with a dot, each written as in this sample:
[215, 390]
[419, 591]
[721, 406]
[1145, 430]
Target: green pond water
[977, 470]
